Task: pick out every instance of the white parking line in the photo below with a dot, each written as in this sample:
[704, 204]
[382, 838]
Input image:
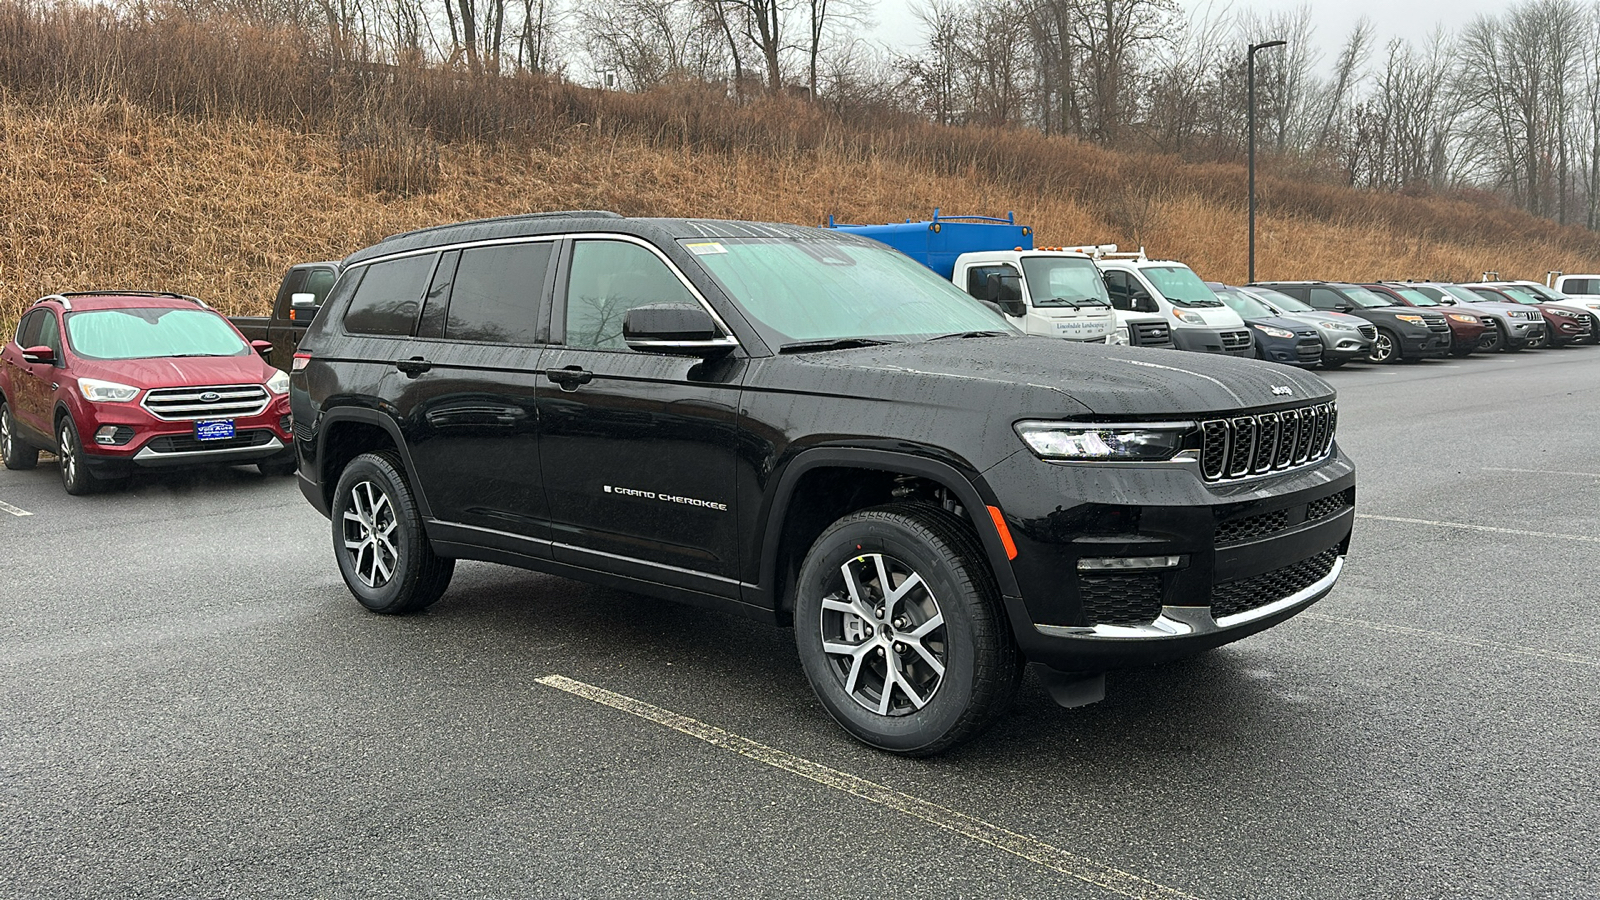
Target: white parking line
[1489, 528]
[1541, 471]
[14, 510]
[1558, 656]
[1035, 851]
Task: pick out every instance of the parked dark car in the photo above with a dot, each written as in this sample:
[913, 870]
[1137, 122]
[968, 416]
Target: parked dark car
[300, 296]
[1562, 326]
[1404, 333]
[1468, 331]
[1344, 337]
[1518, 327]
[118, 380]
[806, 426]
[1277, 339]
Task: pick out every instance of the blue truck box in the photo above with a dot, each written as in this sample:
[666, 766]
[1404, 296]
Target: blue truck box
[936, 242]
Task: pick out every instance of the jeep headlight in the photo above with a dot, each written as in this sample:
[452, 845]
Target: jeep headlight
[97, 391]
[1089, 441]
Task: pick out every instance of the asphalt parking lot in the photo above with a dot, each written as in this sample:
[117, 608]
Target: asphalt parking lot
[193, 706]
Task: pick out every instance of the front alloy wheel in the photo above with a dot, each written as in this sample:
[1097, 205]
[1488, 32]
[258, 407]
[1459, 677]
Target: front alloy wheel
[75, 474]
[884, 634]
[901, 631]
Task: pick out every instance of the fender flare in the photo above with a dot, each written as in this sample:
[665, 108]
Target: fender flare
[342, 414]
[972, 493]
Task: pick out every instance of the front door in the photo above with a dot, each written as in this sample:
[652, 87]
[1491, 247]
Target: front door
[637, 449]
[35, 383]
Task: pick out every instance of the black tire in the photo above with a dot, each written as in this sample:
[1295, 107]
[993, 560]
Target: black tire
[15, 453]
[1490, 342]
[75, 474]
[1385, 348]
[378, 539]
[972, 640]
[1333, 363]
[278, 466]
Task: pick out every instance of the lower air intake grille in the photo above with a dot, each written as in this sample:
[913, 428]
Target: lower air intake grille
[1120, 599]
[1253, 593]
[185, 443]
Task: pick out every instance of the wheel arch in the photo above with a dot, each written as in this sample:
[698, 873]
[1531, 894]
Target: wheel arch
[345, 433]
[847, 480]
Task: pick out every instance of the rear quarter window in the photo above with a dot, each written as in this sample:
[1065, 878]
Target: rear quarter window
[389, 295]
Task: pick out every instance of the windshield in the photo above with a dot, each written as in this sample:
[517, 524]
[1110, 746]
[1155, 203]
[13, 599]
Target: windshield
[1245, 305]
[1547, 293]
[1521, 293]
[1278, 300]
[1415, 297]
[1461, 293]
[1364, 298]
[832, 290]
[1180, 285]
[148, 333]
[1064, 281]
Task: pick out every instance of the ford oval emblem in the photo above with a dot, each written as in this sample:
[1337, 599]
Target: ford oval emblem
[1281, 390]
[210, 397]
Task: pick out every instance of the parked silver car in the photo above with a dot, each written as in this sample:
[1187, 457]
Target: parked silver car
[1344, 337]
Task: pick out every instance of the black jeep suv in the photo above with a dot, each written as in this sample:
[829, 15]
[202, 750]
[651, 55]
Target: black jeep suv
[806, 426]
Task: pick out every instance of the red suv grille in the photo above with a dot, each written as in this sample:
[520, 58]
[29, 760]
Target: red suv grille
[221, 402]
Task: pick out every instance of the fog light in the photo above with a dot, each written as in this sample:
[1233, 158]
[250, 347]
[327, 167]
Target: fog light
[113, 435]
[1114, 563]
[285, 424]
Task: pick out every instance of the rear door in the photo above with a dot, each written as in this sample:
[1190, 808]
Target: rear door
[637, 449]
[467, 394]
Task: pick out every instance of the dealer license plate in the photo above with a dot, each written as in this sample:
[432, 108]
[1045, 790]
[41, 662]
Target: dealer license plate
[213, 430]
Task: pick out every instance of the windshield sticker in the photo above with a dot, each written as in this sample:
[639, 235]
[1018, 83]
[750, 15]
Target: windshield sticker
[707, 248]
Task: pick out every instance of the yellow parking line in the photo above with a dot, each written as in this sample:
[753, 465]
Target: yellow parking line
[1035, 851]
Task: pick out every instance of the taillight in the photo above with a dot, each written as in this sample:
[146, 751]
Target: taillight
[300, 362]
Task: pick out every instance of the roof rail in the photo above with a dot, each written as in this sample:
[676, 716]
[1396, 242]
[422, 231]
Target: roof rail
[65, 297]
[62, 298]
[517, 217]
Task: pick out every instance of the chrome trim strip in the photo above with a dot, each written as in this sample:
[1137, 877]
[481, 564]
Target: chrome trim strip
[147, 454]
[1188, 621]
[645, 562]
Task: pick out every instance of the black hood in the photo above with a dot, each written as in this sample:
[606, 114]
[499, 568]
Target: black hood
[1037, 375]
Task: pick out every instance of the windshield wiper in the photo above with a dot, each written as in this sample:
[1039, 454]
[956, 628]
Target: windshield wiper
[1070, 303]
[831, 344]
[970, 334]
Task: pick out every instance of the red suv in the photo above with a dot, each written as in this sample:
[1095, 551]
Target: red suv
[114, 380]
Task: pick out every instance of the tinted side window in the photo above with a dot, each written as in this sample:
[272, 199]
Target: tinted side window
[50, 333]
[1322, 298]
[496, 294]
[319, 282]
[1296, 291]
[608, 279]
[438, 299]
[389, 295]
[1120, 289]
[28, 329]
[1581, 286]
[978, 277]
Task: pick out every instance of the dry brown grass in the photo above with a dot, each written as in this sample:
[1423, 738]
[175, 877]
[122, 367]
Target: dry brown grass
[109, 194]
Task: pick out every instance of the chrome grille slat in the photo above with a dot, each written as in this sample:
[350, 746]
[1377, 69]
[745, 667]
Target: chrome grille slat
[182, 404]
[1243, 446]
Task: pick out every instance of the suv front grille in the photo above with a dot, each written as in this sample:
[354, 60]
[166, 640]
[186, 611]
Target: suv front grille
[1255, 445]
[1235, 340]
[1435, 323]
[1150, 334]
[1370, 332]
[1309, 351]
[189, 403]
[1120, 599]
[187, 443]
[1253, 593]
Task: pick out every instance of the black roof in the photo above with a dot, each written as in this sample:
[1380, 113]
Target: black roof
[533, 224]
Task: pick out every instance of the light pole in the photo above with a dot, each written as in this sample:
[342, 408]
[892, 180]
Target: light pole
[1250, 119]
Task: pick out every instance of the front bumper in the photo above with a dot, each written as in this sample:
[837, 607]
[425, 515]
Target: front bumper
[1424, 343]
[1199, 339]
[144, 441]
[1250, 554]
[1305, 352]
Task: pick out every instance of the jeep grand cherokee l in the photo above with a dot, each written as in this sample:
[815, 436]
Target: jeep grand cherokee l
[806, 426]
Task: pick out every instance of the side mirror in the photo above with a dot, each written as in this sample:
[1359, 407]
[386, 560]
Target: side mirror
[1004, 291]
[1342, 307]
[682, 329]
[1143, 302]
[262, 347]
[39, 354]
[303, 301]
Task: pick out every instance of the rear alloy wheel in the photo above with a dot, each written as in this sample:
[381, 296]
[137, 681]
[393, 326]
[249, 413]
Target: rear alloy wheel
[900, 631]
[378, 539]
[75, 474]
[14, 452]
[1385, 347]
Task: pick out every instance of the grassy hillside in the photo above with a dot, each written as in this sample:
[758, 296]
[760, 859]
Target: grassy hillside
[110, 194]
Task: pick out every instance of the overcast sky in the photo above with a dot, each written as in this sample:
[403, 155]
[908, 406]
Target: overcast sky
[899, 29]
